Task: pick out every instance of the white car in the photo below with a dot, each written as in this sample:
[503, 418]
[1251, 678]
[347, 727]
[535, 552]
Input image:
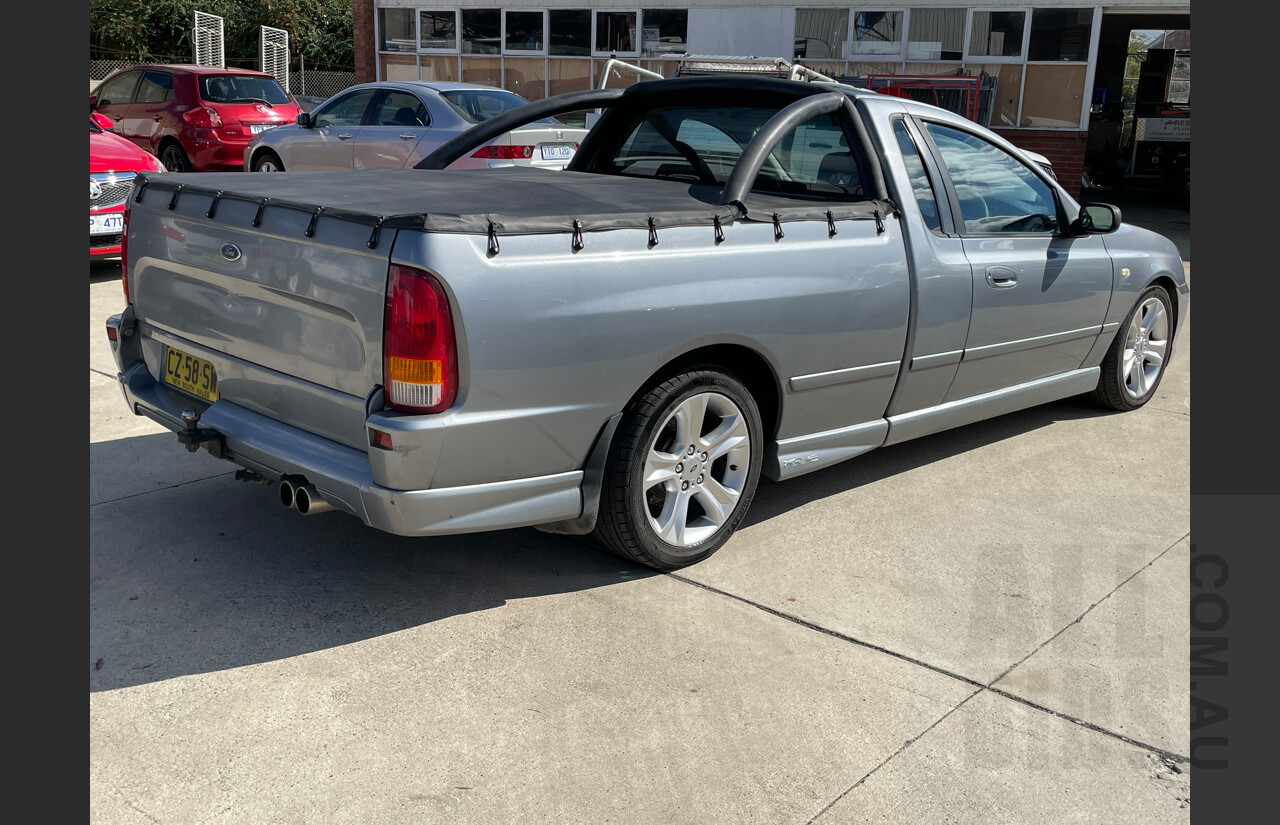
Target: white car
[398, 123]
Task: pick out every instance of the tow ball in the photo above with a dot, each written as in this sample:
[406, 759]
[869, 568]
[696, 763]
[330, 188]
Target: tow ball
[193, 435]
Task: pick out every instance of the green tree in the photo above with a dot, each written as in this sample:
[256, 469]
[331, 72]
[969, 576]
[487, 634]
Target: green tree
[320, 31]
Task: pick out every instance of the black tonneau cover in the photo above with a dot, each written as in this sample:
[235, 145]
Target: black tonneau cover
[493, 202]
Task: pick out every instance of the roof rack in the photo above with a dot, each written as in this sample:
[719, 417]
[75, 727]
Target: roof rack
[686, 65]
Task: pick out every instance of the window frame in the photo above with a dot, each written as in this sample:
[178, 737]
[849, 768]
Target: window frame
[906, 36]
[457, 31]
[953, 195]
[137, 81]
[1021, 57]
[546, 32]
[364, 113]
[377, 101]
[932, 167]
[379, 35]
[595, 17]
[591, 41]
[858, 57]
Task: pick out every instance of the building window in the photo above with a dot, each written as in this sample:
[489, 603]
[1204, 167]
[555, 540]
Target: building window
[877, 32]
[821, 34]
[616, 33]
[570, 33]
[437, 31]
[525, 31]
[665, 31]
[396, 30]
[935, 34]
[1060, 34]
[997, 33]
[481, 31]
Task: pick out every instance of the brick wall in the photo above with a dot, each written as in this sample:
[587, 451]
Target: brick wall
[1065, 150]
[366, 49]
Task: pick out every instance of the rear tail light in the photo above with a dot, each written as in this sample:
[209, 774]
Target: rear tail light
[203, 117]
[504, 152]
[124, 256]
[420, 361]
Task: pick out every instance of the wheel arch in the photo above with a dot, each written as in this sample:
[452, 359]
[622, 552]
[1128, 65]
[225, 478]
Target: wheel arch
[258, 152]
[747, 364]
[1166, 282]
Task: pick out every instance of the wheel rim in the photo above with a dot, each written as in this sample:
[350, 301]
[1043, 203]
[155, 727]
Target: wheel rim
[172, 159]
[268, 165]
[696, 468]
[1146, 347]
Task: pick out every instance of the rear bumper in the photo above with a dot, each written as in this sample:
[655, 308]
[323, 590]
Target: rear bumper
[341, 474]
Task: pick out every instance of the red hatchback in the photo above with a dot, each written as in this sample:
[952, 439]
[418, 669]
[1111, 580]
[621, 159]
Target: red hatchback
[194, 118]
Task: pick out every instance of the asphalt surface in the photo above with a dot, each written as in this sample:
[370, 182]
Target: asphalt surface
[986, 625]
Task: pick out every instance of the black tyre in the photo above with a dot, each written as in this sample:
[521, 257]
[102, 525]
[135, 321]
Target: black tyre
[681, 471]
[268, 162]
[174, 158]
[1133, 367]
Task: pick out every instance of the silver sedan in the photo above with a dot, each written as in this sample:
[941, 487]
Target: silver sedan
[398, 123]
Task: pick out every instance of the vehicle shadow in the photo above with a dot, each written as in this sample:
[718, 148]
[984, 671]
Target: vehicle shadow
[774, 498]
[200, 574]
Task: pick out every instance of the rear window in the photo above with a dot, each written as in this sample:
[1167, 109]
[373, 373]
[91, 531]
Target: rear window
[241, 89]
[478, 105]
[703, 144]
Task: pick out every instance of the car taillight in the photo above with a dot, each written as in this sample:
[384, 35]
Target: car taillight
[124, 256]
[504, 152]
[420, 365]
[203, 117]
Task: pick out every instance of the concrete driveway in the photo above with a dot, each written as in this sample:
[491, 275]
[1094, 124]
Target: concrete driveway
[983, 626]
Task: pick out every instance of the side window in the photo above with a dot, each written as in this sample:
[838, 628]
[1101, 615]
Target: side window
[921, 186]
[998, 193]
[156, 87]
[118, 91]
[399, 109]
[347, 110]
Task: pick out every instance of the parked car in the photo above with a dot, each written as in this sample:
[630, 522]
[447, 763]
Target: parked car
[398, 123]
[113, 164]
[194, 118]
[734, 277]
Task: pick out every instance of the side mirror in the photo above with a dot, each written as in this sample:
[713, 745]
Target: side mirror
[1096, 219]
[102, 120]
[303, 119]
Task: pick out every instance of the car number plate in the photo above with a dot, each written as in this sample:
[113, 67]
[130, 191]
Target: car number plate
[112, 224]
[190, 374]
[557, 151]
[257, 128]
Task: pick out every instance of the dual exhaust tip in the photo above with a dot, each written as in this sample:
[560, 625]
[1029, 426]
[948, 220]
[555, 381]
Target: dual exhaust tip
[296, 493]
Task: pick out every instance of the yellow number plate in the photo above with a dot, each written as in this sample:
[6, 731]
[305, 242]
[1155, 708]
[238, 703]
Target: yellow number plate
[194, 375]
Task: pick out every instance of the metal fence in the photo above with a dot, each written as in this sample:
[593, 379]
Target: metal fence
[310, 83]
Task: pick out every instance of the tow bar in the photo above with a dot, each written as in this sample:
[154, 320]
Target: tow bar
[193, 436]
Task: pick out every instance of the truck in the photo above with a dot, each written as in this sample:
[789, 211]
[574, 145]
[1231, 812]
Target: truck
[735, 277]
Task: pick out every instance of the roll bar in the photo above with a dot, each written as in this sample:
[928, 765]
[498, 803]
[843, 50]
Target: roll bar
[748, 167]
[487, 130]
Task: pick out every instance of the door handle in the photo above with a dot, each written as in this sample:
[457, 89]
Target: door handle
[408, 137]
[156, 118]
[1001, 277]
[344, 137]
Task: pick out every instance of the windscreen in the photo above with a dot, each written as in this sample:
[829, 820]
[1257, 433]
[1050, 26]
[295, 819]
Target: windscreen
[242, 89]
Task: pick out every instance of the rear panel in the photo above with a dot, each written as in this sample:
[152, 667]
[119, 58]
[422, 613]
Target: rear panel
[293, 325]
